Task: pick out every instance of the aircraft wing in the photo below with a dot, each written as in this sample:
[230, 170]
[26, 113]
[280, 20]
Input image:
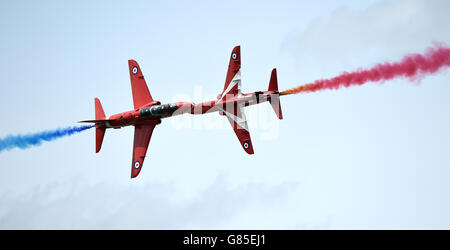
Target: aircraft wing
[238, 121]
[141, 95]
[232, 85]
[142, 135]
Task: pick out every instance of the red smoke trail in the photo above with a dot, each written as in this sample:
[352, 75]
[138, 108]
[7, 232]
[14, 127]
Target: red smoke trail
[413, 67]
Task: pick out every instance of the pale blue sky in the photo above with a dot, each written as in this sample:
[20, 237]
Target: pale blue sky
[367, 157]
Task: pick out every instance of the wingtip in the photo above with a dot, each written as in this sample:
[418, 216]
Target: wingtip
[134, 174]
[135, 171]
[248, 150]
[132, 63]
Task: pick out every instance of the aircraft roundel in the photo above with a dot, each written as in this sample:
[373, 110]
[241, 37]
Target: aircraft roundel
[137, 164]
[234, 56]
[134, 70]
[246, 145]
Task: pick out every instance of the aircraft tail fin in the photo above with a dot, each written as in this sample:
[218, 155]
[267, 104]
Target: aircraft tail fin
[100, 124]
[100, 127]
[99, 134]
[275, 96]
[99, 113]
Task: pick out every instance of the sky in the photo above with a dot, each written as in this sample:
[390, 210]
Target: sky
[367, 157]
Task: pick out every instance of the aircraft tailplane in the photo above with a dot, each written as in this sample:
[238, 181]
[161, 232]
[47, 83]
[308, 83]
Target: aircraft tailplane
[100, 127]
[275, 97]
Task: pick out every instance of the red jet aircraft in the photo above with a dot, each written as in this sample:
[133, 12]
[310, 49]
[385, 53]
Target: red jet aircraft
[148, 113]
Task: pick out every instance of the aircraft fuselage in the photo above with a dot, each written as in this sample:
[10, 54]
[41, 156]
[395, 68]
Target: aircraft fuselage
[154, 112]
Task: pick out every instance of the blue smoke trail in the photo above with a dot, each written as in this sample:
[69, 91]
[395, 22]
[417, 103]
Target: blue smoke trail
[25, 141]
